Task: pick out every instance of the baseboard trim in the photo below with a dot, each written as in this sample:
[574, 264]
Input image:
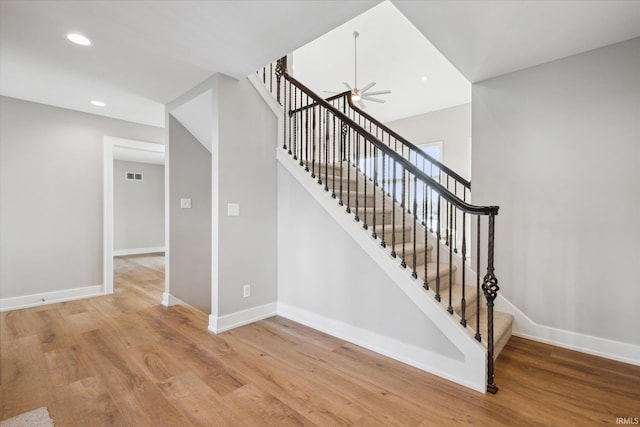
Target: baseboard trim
[241, 318]
[45, 298]
[422, 359]
[168, 300]
[138, 251]
[525, 327]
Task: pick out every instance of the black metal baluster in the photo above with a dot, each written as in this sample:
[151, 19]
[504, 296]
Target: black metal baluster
[306, 144]
[478, 335]
[447, 219]
[455, 221]
[356, 163]
[289, 117]
[403, 263]
[326, 151]
[313, 143]
[424, 200]
[393, 213]
[295, 125]
[450, 308]
[348, 171]
[490, 289]
[364, 180]
[415, 210]
[284, 121]
[343, 141]
[426, 242]
[463, 303]
[333, 156]
[438, 237]
[431, 205]
[375, 189]
[384, 198]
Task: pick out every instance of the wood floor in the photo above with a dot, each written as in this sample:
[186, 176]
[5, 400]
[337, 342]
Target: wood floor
[125, 360]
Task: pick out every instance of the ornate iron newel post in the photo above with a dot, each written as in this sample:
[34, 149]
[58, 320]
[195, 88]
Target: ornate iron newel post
[281, 66]
[490, 289]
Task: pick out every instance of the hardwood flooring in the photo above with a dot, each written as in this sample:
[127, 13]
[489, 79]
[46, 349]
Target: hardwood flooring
[124, 360]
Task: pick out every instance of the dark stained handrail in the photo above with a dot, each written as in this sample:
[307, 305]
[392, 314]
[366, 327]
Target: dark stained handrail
[407, 143]
[408, 166]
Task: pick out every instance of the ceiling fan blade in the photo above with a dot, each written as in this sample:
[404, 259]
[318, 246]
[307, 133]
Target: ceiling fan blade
[367, 87]
[347, 85]
[380, 101]
[329, 91]
[361, 104]
[380, 92]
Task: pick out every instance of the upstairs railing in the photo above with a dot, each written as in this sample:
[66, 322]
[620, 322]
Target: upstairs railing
[394, 198]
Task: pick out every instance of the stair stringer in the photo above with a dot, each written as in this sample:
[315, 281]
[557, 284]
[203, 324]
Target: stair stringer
[470, 371]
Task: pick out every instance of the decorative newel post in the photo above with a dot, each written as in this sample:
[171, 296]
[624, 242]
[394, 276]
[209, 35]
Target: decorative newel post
[490, 289]
[281, 66]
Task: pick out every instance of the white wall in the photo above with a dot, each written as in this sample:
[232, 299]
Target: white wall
[190, 229]
[557, 146]
[452, 126]
[51, 195]
[243, 171]
[324, 271]
[138, 206]
[246, 175]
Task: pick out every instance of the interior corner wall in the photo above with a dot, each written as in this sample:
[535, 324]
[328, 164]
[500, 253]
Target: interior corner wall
[557, 147]
[451, 125]
[247, 139]
[190, 229]
[51, 195]
[138, 206]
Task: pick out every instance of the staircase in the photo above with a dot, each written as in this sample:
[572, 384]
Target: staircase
[413, 206]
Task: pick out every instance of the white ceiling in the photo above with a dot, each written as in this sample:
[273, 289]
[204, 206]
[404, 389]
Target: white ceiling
[488, 38]
[147, 53]
[391, 52]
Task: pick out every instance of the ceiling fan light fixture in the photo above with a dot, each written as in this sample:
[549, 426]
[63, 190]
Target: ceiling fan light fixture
[355, 96]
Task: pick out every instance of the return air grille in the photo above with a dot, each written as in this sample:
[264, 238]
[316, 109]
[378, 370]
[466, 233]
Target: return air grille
[133, 176]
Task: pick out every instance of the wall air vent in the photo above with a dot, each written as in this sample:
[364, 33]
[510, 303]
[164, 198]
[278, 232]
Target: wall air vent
[133, 176]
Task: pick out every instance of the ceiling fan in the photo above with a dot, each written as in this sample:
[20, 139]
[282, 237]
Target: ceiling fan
[359, 95]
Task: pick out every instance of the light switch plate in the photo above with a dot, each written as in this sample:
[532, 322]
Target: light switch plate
[185, 203]
[233, 209]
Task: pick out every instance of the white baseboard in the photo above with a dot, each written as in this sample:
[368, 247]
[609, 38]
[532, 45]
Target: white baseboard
[241, 318]
[168, 300]
[525, 327]
[423, 359]
[45, 298]
[137, 251]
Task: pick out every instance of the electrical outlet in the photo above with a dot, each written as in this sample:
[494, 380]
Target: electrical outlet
[246, 291]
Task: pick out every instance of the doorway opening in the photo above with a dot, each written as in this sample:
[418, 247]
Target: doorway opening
[126, 228]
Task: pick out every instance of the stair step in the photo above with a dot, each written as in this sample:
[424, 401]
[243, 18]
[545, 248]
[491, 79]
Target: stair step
[387, 236]
[470, 297]
[502, 329]
[408, 251]
[445, 270]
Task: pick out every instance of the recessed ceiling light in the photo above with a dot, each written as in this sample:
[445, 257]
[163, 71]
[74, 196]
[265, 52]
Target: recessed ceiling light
[79, 39]
[98, 103]
[423, 78]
